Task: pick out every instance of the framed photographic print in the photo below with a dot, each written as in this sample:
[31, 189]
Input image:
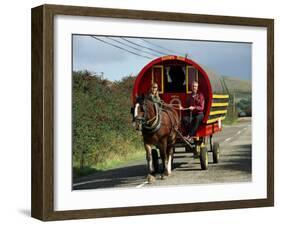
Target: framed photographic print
[141, 112]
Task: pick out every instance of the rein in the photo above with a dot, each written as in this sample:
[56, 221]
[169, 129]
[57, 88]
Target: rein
[155, 120]
[153, 124]
[173, 106]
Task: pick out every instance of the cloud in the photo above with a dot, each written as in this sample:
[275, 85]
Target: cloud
[231, 59]
[87, 50]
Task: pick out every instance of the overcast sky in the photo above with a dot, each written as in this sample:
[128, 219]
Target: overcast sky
[117, 57]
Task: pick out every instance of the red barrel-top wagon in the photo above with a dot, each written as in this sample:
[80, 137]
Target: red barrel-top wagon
[174, 76]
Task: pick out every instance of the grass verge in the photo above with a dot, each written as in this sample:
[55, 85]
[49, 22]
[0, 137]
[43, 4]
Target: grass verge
[230, 120]
[115, 161]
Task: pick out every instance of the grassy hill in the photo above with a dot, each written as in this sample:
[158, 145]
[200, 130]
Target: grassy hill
[236, 85]
[240, 93]
[102, 128]
[240, 103]
[222, 84]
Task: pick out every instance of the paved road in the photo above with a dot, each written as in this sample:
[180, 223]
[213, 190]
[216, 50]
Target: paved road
[234, 166]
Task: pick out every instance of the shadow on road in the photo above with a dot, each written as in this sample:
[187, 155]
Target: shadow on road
[130, 175]
[241, 160]
[112, 178]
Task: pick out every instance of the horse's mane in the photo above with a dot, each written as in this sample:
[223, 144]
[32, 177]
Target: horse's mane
[140, 99]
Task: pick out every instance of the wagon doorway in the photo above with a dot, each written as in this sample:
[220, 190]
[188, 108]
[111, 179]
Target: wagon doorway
[175, 79]
[191, 75]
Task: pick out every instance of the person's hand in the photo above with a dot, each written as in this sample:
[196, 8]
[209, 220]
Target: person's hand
[191, 108]
[181, 108]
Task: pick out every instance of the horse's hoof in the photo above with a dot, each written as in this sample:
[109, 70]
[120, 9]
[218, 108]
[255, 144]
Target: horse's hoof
[150, 178]
[166, 173]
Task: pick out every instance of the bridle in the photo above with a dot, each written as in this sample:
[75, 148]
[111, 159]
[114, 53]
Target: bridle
[150, 125]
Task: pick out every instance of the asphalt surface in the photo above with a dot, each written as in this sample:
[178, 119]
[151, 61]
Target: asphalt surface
[235, 165]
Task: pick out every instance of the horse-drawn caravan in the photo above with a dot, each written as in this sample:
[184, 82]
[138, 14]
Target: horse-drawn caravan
[161, 123]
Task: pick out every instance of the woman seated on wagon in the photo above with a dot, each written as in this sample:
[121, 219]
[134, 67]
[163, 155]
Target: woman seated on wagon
[154, 94]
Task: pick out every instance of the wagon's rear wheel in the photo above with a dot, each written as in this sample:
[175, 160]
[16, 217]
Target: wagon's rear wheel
[204, 158]
[155, 160]
[216, 152]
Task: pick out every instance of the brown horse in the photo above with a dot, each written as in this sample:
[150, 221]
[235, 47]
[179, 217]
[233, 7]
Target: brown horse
[158, 126]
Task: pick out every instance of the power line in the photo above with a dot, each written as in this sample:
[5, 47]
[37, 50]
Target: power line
[162, 53]
[116, 46]
[161, 47]
[137, 49]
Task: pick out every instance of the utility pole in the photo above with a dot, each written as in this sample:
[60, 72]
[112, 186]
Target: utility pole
[234, 105]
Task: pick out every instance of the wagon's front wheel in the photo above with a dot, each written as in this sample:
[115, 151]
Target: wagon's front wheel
[155, 160]
[204, 158]
[216, 152]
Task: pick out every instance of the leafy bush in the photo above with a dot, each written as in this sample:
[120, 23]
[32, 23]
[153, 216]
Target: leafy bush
[245, 106]
[101, 122]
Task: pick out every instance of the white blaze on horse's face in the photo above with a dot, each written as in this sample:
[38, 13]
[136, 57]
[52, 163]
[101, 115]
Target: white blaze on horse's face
[136, 109]
[135, 115]
[137, 124]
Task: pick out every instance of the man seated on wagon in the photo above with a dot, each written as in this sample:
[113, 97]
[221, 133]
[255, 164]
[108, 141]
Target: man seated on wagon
[195, 104]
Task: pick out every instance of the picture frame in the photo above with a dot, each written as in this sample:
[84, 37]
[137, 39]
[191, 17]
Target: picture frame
[43, 182]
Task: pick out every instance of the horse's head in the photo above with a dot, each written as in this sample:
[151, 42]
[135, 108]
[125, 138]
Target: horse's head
[144, 113]
[138, 113]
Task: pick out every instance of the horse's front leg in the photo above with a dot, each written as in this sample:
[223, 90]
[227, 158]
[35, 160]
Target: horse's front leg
[151, 171]
[170, 153]
[164, 158]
